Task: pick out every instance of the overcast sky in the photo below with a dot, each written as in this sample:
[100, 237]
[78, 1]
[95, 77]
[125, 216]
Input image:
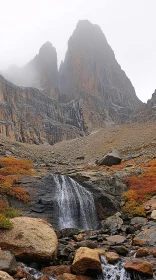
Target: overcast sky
[129, 26]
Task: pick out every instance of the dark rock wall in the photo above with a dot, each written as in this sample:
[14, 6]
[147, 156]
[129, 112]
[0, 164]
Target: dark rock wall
[29, 115]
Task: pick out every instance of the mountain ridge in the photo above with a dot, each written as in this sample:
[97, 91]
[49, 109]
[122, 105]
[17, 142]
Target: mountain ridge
[90, 90]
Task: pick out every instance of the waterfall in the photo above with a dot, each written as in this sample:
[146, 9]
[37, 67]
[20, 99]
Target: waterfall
[75, 204]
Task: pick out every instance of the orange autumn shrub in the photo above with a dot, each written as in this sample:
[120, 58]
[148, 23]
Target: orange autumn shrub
[141, 188]
[10, 170]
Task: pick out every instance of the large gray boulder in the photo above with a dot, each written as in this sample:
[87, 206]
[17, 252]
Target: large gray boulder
[112, 224]
[110, 159]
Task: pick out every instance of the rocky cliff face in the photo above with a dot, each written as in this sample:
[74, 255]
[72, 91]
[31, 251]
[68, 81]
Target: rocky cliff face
[147, 112]
[29, 115]
[90, 91]
[41, 72]
[91, 73]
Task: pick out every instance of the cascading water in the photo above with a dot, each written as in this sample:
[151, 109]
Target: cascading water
[113, 272]
[117, 272]
[76, 204]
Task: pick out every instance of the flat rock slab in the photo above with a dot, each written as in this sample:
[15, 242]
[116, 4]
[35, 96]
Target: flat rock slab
[116, 239]
[30, 239]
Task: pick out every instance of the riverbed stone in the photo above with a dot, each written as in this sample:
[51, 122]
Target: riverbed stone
[116, 239]
[85, 259]
[140, 266]
[30, 239]
[5, 276]
[7, 262]
[112, 224]
[147, 237]
[56, 270]
[139, 221]
[112, 257]
[86, 243]
[142, 252]
[69, 276]
[120, 249]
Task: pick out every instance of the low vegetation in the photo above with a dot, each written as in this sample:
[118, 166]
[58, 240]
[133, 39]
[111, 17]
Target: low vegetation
[10, 171]
[141, 188]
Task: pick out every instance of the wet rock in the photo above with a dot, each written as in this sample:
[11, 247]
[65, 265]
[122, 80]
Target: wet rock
[5, 276]
[112, 257]
[85, 259]
[121, 250]
[78, 237]
[110, 159]
[30, 239]
[142, 252]
[116, 239]
[140, 266]
[20, 273]
[112, 224]
[7, 262]
[56, 270]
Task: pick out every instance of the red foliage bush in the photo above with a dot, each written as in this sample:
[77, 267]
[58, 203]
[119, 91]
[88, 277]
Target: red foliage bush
[11, 169]
[141, 188]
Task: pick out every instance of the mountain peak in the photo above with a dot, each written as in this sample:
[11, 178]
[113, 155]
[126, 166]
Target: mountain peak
[87, 34]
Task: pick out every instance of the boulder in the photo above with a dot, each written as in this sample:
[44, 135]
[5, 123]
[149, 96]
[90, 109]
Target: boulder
[146, 237]
[154, 252]
[20, 273]
[112, 224]
[68, 276]
[30, 239]
[5, 276]
[85, 259]
[116, 239]
[139, 221]
[112, 257]
[139, 266]
[56, 270]
[79, 237]
[110, 159]
[153, 215]
[7, 262]
[142, 252]
[120, 249]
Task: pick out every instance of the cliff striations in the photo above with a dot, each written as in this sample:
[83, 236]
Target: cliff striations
[29, 115]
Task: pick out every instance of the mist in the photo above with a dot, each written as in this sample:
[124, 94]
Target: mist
[128, 26]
